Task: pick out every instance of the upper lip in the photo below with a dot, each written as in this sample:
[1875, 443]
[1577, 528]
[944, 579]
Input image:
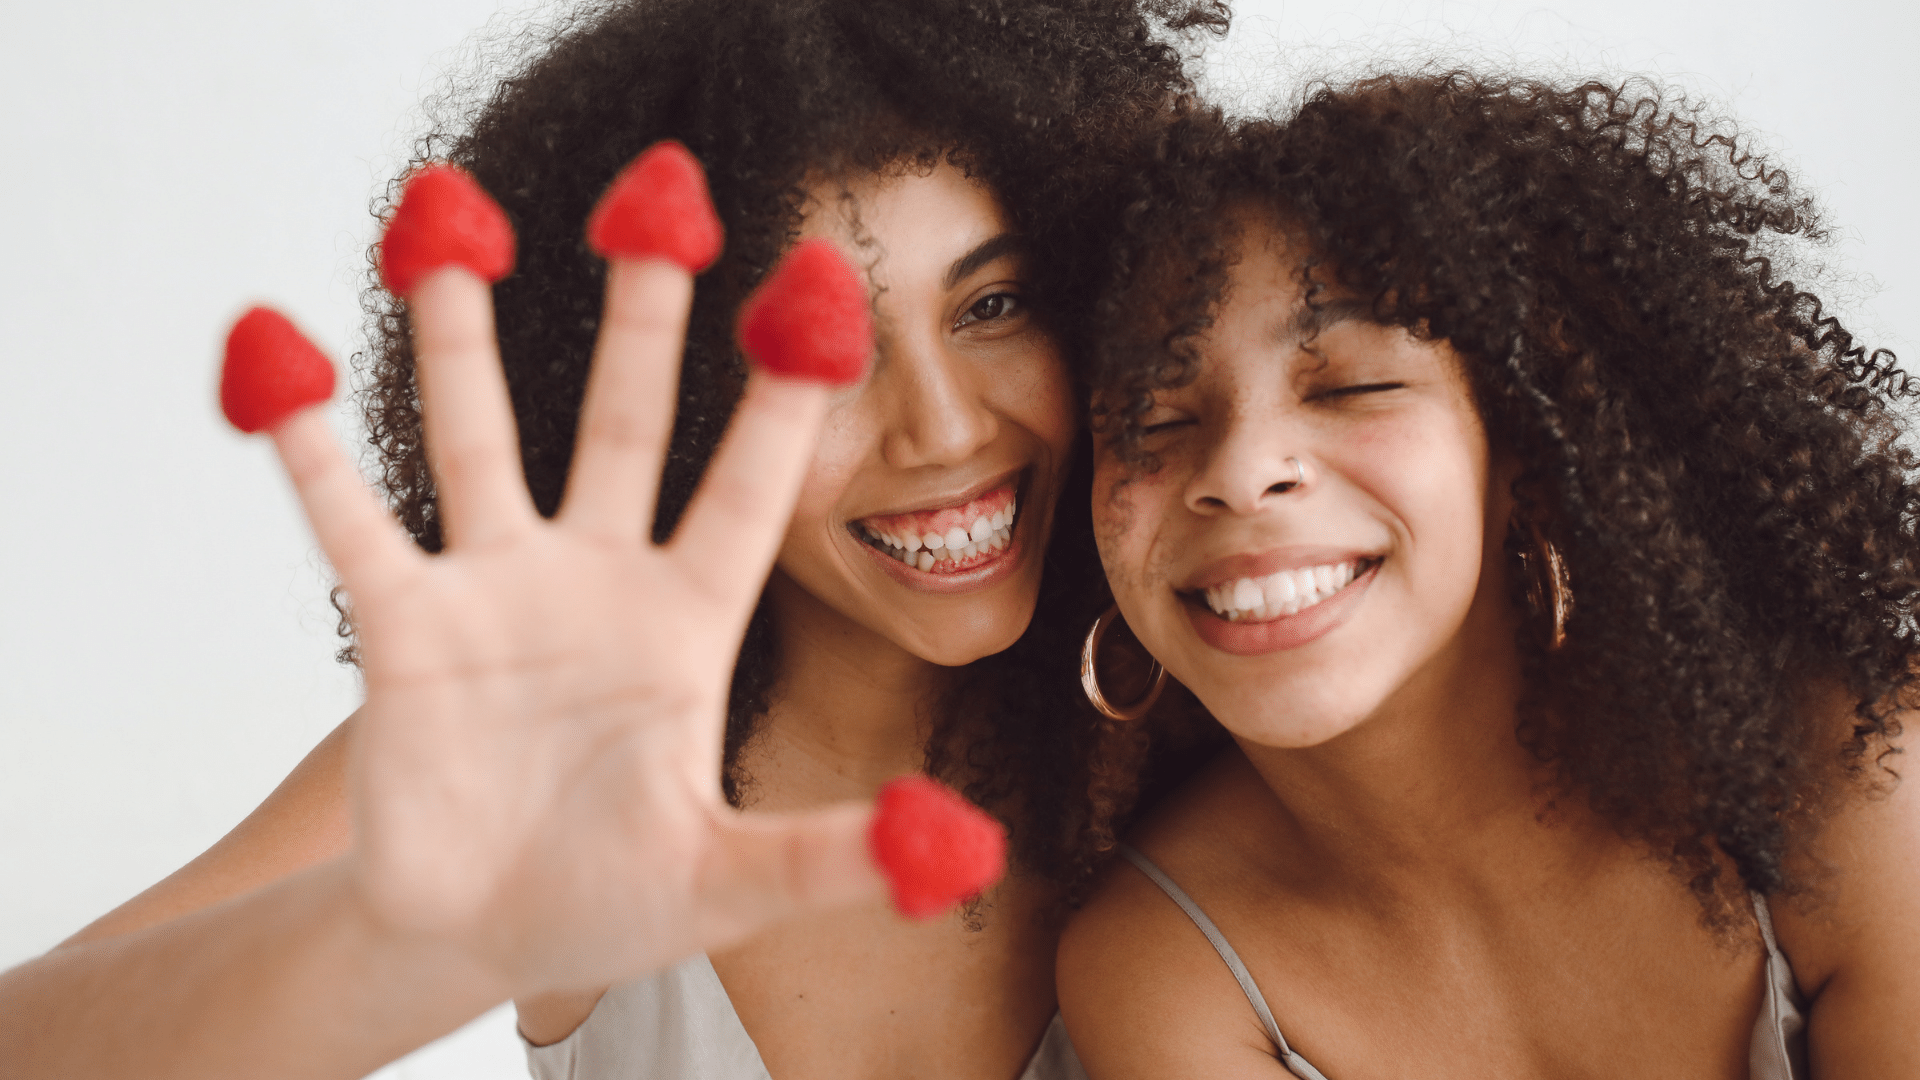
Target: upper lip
[1260, 564]
[959, 498]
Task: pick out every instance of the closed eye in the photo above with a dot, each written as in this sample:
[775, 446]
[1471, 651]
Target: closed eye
[1362, 388]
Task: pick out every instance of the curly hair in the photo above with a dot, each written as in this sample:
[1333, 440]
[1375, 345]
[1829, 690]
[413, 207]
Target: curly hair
[1717, 459]
[1033, 98]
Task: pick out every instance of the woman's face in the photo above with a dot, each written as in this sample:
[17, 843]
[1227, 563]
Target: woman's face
[926, 512]
[1297, 610]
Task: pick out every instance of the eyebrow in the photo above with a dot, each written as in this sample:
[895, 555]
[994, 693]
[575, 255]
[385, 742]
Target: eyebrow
[1311, 321]
[985, 252]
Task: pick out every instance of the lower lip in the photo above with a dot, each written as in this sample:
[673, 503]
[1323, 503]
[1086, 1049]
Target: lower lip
[1285, 632]
[986, 575]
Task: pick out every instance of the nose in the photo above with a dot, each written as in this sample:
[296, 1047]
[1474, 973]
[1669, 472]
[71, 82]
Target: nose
[1248, 468]
[938, 404]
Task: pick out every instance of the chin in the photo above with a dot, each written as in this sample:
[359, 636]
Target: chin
[961, 637]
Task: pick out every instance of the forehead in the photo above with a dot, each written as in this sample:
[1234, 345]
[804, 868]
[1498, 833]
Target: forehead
[1263, 307]
[893, 214]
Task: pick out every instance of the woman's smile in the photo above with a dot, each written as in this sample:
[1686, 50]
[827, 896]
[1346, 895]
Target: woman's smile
[1251, 609]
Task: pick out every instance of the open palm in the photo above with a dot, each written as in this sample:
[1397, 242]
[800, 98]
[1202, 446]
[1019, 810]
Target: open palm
[535, 775]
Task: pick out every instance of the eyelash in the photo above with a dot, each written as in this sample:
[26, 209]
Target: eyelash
[1012, 307]
[1363, 388]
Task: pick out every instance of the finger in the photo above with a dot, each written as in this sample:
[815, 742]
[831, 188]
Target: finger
[445, 241]
[767, 867]
[271, 379]
[366, 546]
[657, 226]
[807, 329]
[732, 528]
[627, 418]
[472, 442]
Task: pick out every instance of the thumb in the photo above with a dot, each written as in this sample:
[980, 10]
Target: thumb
[921, 845]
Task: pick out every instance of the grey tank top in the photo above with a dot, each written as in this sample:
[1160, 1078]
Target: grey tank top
[1778, 1050]
[680, 1025]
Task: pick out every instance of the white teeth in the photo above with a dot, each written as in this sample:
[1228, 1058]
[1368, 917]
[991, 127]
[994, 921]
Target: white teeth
[982, 528]
[1282, 593]
[999, 518]
[913, 543]
[956, 537]
[1246, 594]
[1279, 590]
[925, 561]
[934, 541]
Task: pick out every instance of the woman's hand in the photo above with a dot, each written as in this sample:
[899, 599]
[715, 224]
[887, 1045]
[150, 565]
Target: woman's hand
[535, 777]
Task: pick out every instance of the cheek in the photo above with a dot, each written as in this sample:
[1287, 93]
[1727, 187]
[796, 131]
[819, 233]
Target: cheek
[1037, 393]
[1127, 511]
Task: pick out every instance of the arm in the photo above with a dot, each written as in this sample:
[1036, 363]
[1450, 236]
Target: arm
[302, 823]
[1855, 946]
[532, 784]
[1144, 996]
[293, 980]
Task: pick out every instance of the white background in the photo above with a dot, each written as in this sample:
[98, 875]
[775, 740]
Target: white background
[165, 640]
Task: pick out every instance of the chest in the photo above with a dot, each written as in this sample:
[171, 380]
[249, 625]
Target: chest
[869, 994]
[1637, 990]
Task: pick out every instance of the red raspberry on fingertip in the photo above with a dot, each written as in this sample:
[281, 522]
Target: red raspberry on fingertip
[810, 319]
[935, 847]
[658, 207]
[270, 371]
[444, 218]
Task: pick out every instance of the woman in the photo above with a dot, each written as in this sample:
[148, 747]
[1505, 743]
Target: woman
[875, 649]
[1550, 559]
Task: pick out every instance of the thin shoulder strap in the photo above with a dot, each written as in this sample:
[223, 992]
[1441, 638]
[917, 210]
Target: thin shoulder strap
[1778, 1049]
[1294, 1062]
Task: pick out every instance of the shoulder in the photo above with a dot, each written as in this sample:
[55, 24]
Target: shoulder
[1854, 941]
[1142, 991]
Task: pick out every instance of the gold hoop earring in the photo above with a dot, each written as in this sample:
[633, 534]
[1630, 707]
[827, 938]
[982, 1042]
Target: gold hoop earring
[1549, 588]
[1090, 679]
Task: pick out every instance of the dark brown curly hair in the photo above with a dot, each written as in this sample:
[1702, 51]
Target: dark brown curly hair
[1038, 99]
[1716, 457]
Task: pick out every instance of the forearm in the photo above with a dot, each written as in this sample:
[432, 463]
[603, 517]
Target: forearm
[292, 981]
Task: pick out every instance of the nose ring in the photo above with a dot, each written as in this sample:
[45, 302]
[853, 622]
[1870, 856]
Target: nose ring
[1299, 478]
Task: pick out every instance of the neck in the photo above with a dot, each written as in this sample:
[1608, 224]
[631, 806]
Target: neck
[1435, 786]
[847, 713]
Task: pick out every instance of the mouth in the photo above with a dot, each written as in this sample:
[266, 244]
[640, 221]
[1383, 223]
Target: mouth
[941, 541]
[1282, 593]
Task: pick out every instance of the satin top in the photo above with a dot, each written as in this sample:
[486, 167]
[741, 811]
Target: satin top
[680, 1025]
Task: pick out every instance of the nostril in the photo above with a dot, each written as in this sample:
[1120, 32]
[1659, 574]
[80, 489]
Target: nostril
[1283, 487]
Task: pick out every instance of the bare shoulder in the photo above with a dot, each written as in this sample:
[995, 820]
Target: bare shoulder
[305, 821]
[1142, 991]
[1855, 943]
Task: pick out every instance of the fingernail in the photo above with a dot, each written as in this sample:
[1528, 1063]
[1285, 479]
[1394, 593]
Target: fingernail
[658, 207]
[935, 847]
[271, 371]
[809, 319]
[444, 218]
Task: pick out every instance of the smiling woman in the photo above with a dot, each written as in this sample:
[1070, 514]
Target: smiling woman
[1551, 560]
[596, 798]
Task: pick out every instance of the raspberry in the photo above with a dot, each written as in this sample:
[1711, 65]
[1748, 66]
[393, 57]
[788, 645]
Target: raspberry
[444, 218]
[810, 319]
[935, 847]
[271, 371]
[658, 207]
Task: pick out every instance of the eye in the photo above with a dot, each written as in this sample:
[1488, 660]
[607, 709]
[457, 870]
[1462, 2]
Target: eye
[1361, 388]
[1163, 419]
[989, 308]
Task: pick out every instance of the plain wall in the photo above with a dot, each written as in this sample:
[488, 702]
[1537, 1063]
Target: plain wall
[166, 646]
